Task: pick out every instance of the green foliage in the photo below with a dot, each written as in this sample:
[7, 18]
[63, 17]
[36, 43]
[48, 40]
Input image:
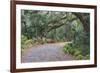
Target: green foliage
[25, 43]
[23, 40]
[39, 26]
[87, 57]
[76, 52]
[80, 57]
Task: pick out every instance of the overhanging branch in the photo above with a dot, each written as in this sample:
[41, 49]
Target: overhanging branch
[57, 26]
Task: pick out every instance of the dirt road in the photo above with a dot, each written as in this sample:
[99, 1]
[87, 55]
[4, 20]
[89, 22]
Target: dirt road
[45, 53]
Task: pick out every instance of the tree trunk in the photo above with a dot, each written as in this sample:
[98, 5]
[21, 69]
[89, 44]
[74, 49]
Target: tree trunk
[86, 24]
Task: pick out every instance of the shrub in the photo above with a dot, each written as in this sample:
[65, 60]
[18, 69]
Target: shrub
[77, 52]
[87, 57]
[23, 39]
[68, 49]
[79, 57]
[72, 51]
[26, 43]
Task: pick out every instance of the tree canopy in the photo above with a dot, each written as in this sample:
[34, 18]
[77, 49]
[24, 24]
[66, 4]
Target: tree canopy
[57, 26]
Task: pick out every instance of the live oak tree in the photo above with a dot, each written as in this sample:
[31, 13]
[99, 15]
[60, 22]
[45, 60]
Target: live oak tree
[57, 26]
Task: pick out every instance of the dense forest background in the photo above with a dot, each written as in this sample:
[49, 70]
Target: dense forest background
[40, 27]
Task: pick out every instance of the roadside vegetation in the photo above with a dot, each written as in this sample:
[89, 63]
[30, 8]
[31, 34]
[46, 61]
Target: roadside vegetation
[40, 27]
